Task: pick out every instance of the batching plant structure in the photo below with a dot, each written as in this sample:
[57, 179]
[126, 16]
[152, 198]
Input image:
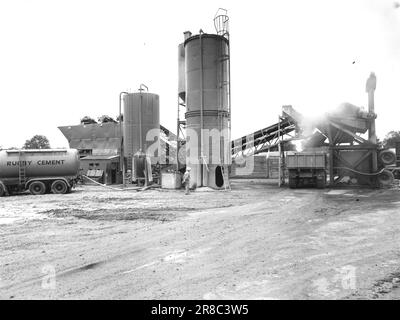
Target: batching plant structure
[206, 96]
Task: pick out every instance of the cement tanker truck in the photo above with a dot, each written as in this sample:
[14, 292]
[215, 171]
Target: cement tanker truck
[39, 171]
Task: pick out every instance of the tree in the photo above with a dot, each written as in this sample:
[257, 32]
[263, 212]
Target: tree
[105, 119]
[390, 139]
[87, 120]
[37, 142]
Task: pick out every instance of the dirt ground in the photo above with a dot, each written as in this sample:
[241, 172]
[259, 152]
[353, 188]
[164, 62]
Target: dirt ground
[256, 241]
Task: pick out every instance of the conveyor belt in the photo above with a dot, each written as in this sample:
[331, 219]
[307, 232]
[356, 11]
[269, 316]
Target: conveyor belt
[262, 140]
[256, 142]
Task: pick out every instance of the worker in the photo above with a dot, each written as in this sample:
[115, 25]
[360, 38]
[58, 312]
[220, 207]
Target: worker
[129, 176]
[186, 180]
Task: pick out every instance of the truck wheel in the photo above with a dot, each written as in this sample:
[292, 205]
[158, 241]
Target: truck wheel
[37, 188]
[59, 187]
[292, 183]
[387, 157]
[320, 184]
[2, 191]
[385, 178]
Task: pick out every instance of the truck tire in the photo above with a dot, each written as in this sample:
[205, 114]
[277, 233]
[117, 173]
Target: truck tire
[292, 183]
[59, 187]
[2, 191]
[320, 183]
[387, 157]
[385, 178]
[37, 188]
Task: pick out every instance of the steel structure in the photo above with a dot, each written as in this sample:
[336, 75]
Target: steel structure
[353, 158]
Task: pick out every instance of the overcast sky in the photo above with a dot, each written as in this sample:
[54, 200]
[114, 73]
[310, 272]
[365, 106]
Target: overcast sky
[62, 60]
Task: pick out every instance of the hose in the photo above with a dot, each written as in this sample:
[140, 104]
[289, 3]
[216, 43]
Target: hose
[362, 173]
[122, 189]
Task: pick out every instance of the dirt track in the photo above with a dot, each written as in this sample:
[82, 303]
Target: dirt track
[254, 242]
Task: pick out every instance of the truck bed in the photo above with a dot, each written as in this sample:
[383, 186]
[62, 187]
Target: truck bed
[310, 160]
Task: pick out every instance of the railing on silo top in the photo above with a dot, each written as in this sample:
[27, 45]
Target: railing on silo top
[221, 22]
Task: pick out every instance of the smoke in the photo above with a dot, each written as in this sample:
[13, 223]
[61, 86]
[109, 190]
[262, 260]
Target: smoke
[298, 145]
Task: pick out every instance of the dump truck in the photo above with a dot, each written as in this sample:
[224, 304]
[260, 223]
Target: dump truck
[39, 171]
[306, 169]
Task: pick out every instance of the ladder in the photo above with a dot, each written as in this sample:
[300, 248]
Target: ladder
[21, 168]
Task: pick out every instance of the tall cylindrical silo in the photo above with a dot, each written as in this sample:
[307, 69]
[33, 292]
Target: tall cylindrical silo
[208, 109]
[141, 125]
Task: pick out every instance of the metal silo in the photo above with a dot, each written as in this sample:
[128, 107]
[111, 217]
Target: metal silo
[208, 109]
[181, 72]
[141, 114]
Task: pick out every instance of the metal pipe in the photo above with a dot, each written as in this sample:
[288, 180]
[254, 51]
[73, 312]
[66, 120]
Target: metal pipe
[279, 151]
[229, 97]
[140, 114]
[140, 123]
[122, 160]
[143, 85]
[370, 88]
[177, 135]
[201, 107]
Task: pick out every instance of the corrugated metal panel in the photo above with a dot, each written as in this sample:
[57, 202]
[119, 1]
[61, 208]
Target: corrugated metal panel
[106, 137]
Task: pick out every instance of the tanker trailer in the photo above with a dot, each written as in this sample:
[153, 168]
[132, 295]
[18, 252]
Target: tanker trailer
[39, 171]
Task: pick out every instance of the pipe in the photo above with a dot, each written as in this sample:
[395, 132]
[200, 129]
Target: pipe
[140, 114]
[125, 189]
[108, 187]
[201, 108]
[122, 160]
[361, 173]
[229, 98]
[177, 135]
[143, 85]
[370, 88]
[279, 150]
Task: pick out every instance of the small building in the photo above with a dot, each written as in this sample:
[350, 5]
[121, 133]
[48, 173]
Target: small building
[99, 146]
[101, 168]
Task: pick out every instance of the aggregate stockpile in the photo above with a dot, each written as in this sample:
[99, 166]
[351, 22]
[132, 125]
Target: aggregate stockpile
[39, 171]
